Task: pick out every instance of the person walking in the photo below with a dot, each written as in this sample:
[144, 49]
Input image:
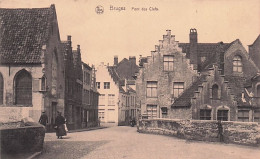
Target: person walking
[60, 126]
[43, 119]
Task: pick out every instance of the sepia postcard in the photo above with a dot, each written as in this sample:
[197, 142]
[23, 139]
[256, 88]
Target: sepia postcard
[119, 79]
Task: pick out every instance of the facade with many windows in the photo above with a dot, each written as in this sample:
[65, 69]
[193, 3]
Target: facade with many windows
[117, 95]
[163, 78]
[31, 66]
[202, 81]
[90, 97]
[108, 95]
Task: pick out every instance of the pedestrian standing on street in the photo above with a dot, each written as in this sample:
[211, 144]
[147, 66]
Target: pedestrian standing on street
[43, 119]
[59, 124]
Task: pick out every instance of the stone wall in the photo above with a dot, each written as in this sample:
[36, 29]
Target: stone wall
[202, 130]
[15, 139]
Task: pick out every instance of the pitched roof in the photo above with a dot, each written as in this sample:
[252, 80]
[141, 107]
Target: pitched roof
[126, 69]
[185, 99]
[237, 83]
[23, 32]
[113, 74]
[258, 37]
[204, 49]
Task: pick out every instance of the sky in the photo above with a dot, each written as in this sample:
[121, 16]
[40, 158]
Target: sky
[133, 32]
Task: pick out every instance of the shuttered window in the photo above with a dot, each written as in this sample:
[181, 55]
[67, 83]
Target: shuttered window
[168, 63]
[151, 89]
[152, 111]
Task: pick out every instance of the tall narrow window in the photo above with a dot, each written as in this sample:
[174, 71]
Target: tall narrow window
[87, 78]
[215, 91]
[152, 111]
[1, 89]
[98, 85]
[237, 64]
[106, 85]
[23, 88]
[243, 115]
[101, 99]
[222, 115]
[178, 88]
[87, 97]
[43, 83]
[101, 114]
[151, 89]
[205, 114]
[111, 99]
[168, 63]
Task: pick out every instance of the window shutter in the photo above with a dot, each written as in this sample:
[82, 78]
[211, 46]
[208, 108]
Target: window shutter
[219, 93]
[210, 93]
[36, 85]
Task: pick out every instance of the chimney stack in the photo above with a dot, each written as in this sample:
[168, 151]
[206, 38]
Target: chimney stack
[115, 60]
[69, 39]
[193, 36]
[132, 59]
[78, 48]
[168, 32]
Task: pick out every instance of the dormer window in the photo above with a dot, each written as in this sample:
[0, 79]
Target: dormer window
[237, 64]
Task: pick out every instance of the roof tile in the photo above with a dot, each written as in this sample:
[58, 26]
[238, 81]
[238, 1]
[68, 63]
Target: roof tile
[22, 34]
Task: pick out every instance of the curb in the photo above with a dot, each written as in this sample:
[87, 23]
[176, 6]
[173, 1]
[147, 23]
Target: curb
[88, 129]
[34, 155]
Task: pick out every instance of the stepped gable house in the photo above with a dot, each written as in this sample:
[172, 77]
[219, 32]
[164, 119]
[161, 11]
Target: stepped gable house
[73, 84]
[207, 81]
[31, 70]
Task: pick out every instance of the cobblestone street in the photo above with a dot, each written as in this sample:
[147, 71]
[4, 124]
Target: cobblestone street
[125, 142]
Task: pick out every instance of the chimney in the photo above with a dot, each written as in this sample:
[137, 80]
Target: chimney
[168, 32]
[193, 36]
[193, 54]
[69, 39]
[78, 48]
[132, 59]
[115, 60]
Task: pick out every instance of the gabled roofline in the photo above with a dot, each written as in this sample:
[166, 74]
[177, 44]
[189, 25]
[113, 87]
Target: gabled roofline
[258, 37]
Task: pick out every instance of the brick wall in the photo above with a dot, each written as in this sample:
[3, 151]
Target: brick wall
[153, 70]
[203, 130]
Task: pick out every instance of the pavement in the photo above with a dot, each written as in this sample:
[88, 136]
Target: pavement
[32, 155]
[125, 142]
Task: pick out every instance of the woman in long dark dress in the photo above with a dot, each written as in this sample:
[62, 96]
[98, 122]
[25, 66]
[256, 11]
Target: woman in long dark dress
[59, 122]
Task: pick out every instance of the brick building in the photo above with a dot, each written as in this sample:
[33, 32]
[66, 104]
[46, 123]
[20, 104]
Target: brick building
[194, 80]
[89, 97]
[81, 96]
[254, 51]
[116, 86]
[31, 70]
